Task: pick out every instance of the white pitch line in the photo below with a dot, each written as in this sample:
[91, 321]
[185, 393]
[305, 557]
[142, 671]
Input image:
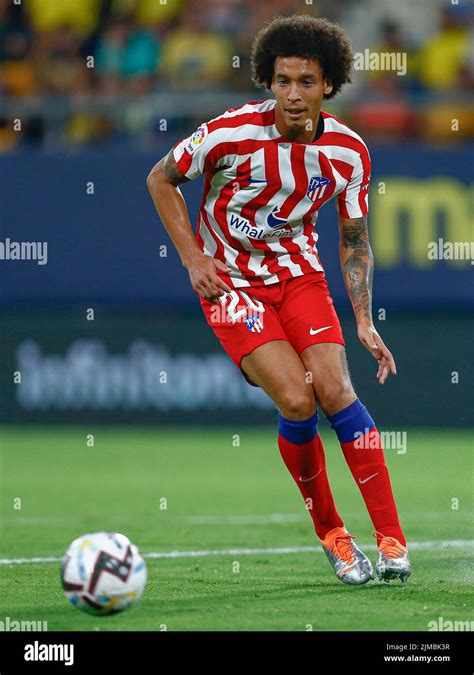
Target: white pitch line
[248, 519]
[239, 519]
[412, 546]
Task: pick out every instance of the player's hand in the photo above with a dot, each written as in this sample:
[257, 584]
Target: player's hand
[205, 280]
[375, 345]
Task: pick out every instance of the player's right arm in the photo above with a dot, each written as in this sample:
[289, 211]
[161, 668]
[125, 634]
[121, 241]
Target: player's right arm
[163, 184]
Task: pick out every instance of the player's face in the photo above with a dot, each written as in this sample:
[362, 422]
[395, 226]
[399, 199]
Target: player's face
[299, 87]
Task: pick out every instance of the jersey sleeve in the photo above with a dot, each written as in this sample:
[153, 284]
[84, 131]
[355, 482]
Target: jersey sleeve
[200, 152]
[353, 202]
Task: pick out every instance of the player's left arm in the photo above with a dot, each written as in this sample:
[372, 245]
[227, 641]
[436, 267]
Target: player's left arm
[357, 263]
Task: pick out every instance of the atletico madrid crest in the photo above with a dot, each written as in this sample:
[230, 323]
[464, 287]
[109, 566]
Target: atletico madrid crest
[254, 323]
[317, 187]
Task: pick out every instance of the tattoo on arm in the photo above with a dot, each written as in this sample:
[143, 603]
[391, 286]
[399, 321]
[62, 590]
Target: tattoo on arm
[357, 264]
[171, 171]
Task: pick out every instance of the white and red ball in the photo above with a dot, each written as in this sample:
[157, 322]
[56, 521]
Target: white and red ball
[103, 573]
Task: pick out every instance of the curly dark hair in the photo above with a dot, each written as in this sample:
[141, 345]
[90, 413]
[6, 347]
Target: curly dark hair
[306, 37]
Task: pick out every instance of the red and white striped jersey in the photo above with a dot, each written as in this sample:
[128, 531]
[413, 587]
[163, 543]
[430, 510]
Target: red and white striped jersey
[262, 192]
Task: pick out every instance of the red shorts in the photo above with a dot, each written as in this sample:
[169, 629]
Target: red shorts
[299, 310]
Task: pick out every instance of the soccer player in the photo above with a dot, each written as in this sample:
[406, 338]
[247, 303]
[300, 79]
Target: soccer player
[269, 166]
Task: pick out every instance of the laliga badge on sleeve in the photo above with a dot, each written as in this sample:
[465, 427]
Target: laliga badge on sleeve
[197, 139]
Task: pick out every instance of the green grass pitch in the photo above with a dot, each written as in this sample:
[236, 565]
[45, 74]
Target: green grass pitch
[223, 492]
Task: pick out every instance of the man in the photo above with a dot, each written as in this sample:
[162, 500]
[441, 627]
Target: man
[269, 166]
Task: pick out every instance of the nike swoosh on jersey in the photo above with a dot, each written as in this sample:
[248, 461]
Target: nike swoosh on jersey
[315, 332]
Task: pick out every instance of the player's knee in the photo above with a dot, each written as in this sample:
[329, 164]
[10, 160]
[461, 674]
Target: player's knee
[335, 395]
[297, 405]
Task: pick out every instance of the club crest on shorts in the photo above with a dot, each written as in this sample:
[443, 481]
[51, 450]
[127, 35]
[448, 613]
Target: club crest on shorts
[254, 323]
[317, 187]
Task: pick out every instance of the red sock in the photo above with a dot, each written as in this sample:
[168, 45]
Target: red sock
[366, 461]
[307, 464]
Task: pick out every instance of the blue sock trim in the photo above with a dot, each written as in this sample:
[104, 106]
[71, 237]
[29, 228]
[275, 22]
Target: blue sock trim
[351, 422]
[298, 431]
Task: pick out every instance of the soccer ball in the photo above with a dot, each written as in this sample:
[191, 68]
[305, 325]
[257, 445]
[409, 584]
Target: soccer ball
[103, 573]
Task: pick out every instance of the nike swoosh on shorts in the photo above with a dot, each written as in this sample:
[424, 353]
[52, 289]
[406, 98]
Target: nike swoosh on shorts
[315, 332]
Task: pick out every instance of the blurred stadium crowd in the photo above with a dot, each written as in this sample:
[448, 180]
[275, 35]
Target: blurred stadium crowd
[87, 72]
